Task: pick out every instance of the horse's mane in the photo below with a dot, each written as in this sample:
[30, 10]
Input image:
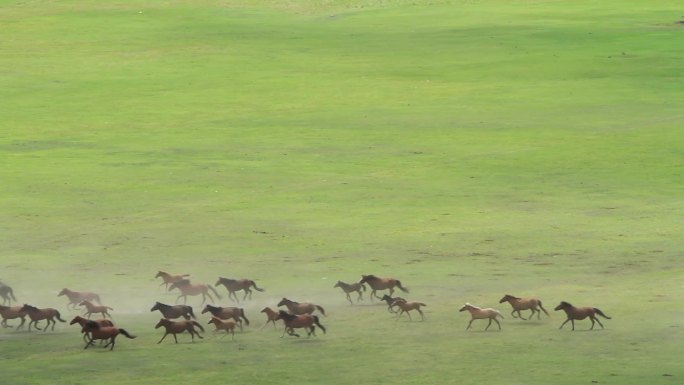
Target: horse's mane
[473, 306]
[290, 301]
[566, 303]
[227, 280]
[213, 308]
[30, 307]
[162, 305]
[512, 296]
[286, 316]
[92, 324]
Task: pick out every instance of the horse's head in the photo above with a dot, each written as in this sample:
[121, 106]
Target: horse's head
[507, 298]
[386, 298]
[284, 301]
[75, 320]
[84, 303]
[159, 274]
[220, 281]
[64, 291]
[465, 307]
[156, 306]
[209, 308]
[28, 307]
[162, 322]
[563, 305]
[266, 310]
[338, 284]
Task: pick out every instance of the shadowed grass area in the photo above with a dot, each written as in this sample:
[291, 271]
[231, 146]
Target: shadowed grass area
[469, 148]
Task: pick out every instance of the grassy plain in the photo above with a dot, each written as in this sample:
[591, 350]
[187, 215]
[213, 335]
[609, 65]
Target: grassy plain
[470, 148]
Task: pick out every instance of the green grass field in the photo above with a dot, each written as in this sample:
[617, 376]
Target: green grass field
[469, 148]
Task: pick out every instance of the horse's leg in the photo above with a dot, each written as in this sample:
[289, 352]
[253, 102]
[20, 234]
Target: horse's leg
[247, 292]
[470, 323]
[422, 316]
[89, 343]
[175, 338]
[563, 324]
[21, 325]
[599, 322]
[572, 321]
[162, 339]
[179, 297]
[196, 332]
[373, 294]
[592, 322]
[360, 296]
[113, 343]
[513, 314]
[538, 313]
[391, 291]
[489, 324]
[520, 315]
[497, 322]
[53, 324]
[349, 299]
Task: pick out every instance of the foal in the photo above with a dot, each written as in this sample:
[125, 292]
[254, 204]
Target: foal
[518, 304]
[92, 308]
[13, 312]
[227, 325]
[175, 327]
[580, 313]
[98, 332]
[272, 316]
[350, 288]
[293, 321]
[408, 306]
[390, 302]
[36, 315]
[479, 313]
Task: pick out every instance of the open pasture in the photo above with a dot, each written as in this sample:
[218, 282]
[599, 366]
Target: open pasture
[468, 148]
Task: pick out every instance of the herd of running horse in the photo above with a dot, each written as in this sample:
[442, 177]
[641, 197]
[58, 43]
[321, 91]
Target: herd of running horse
[181, 318]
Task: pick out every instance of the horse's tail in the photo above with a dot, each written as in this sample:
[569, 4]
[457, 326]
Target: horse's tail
[59, 317]
[255, 286]
[542, 307]
[599, 312]
[198, 325]
[215, 292]
[242, 314]
[315, 318]
[405, 290]
[499, 313]
[11, 293]
[363, 287]
[109, 308]
[185, 275]
[320, 309]
[122, 331]
[422, 304]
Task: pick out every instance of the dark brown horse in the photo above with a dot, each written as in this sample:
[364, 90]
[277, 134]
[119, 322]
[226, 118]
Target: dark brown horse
[13, 312]
[7, 294]
[377, 283]
[351, 288]
[300, 307]
[390, 302]
[83, 321]
[92, 308]
[518, 304]
[168, 279]
[175, 327]
[186, 288]
[580, 313]
[98, 332]
[271, 315]
[235, 313]
[36, 315]
[76, 297]
[174, 311]
[293, 321]
[233, 285]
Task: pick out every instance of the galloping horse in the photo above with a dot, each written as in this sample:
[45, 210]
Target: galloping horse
[377, 283]
[293, 321]
[92, 308]
[271, 315]
[98, 332]
[233, 285]
[350, 288]
[300, 308]
[580, 313]
[168, 279]
[174, 311]
[236, 313]
[76, 297]
[479, 313]
[13, 312]
[7, 294]
[36, 315]
[518, 304]
[83, 321]
[175, 327]
[406, 307]
[186, 289]
[227, 325]
[390, 302]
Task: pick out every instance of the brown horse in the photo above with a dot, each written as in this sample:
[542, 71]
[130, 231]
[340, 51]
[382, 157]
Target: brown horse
[233, 285]
[300, 308]
[36, 315]
[174, 311]
[92, 308]
[76, 297]
[580, 313]
[98, 332]
[271, 315]
[227, 325]
[479, 313]
[13, 312]
[350, 288]
[294, 321]
[82, 322]
[236, 313]
[406, 307]
[518, 304]
[186, 288]
[168, 279]
[377, 283]
[175, 327]
[390, 302]
[7, 294]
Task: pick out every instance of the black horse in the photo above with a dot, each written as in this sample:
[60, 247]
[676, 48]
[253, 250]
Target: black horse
[175, 311]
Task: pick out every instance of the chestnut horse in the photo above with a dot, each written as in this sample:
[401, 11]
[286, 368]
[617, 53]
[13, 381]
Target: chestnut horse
[168, 279]
[98, 332]
[76, 297]
[479, 313]
[390, 302]
[377, 283]
[233, 285]
[227, 325]
[350, 288]
[580, 313]
[236, 313]
[175, 327]
[7, 294]
[92, 308]
[518, 304]
[293, 321]
[36, 315]
[271, 315]
[82, 322]
[300, 308]
[13, 312]
[174, 311]
[406, 307]
[186, 288]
